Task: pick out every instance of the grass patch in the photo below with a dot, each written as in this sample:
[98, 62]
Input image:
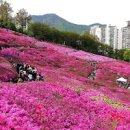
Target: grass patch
[110, 102]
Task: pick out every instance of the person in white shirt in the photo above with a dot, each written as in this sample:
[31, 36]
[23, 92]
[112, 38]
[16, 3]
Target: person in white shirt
[30, 77]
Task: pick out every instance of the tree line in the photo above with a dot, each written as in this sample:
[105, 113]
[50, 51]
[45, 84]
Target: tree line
[85, 42]
[21, 22]
[17, 22]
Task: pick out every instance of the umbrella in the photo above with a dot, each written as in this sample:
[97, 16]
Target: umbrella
[121, 79]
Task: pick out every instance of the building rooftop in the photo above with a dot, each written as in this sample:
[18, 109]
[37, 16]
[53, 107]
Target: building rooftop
[128, 23]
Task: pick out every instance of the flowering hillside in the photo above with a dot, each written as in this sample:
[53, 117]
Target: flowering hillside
[67, 99]
[6, 70]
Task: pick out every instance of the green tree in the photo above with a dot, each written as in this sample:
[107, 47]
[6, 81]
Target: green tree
[5, 12]
[89, 43]
[11, 26]
[70, 39]
[40, 31]
[22, 18]
[126, 55]
[110, 51]
[119, 54]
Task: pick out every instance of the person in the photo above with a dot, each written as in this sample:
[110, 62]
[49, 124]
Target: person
[40, 77]
[19, 66]
[23, 75]
[34, 69]
[20, 73]
[128, 84]
[29, 70]
[26, 67]
[20, 80]
[30, 77]
[10, 80]
[14, 65]
[34, 74]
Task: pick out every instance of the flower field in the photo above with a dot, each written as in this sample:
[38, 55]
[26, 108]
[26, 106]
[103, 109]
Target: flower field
[67, 99]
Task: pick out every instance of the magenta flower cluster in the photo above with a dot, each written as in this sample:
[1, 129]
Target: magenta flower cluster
[67, 99]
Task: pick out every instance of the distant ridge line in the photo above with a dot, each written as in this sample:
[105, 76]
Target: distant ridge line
[59, 23]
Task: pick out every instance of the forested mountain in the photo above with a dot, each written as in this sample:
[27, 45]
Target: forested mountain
[61, 24]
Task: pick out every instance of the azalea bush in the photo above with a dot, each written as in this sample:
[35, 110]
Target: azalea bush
[7, 71]
[48, 106]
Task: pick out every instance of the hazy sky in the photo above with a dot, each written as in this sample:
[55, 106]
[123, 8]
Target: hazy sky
[114, 12]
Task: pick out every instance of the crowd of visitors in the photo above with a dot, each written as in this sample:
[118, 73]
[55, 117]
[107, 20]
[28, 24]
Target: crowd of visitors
[4, 47]
[27, 73]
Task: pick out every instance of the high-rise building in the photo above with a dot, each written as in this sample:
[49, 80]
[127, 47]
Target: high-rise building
[96, 31]
[113, 36]
[103, 34]
[124, 32]
[119, 43]
[125, 38]
[106, 34]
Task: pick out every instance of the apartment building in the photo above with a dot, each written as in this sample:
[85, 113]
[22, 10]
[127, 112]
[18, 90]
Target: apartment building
[119, 43]
[124, 33]
[125, 39]
[113, 36]
[96, 31]
[106, 34]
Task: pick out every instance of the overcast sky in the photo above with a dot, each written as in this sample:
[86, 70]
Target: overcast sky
[114, 12]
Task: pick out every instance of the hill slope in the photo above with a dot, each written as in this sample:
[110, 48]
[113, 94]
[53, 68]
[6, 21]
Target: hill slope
[60, 23]
[67, 98]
